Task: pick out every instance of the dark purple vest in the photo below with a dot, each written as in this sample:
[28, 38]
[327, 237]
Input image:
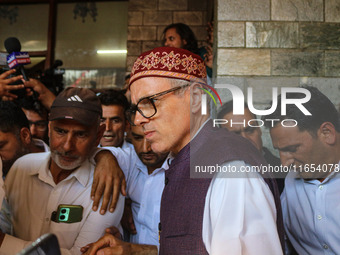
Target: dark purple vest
[183, 197]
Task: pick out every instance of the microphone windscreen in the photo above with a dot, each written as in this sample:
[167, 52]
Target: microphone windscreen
[12, 44]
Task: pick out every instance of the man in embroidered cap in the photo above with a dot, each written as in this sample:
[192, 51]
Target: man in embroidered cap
[228, 214]
[39, 183]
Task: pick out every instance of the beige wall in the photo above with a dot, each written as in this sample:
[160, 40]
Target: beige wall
[278, 43]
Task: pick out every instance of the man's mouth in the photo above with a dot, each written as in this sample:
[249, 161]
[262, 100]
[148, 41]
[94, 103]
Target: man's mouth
[148, 134]
[148, 156]
[67, 158]
[108, 137]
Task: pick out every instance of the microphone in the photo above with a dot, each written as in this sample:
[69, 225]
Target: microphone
[16, 59]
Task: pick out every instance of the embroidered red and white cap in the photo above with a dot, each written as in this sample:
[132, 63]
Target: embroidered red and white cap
[78, 104]
[169, 62]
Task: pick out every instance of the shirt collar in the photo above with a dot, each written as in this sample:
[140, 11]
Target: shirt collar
[82, 173]
[332, 175]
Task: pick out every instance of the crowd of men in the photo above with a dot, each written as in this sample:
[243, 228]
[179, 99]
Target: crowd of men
[57, 184]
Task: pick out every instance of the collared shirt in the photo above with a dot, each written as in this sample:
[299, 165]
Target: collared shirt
[240, 215]
[33, 196]
[145, 191]
[311, 214]
[126, 146]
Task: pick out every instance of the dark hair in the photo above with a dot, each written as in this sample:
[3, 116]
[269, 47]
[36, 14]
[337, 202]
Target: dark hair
[186, 34]
[228, 107]
[28, 103]
[114, 97]
[319, 105]
[12, 118]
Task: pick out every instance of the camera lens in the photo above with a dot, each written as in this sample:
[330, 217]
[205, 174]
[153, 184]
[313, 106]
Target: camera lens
[62, 217]
[63, 210]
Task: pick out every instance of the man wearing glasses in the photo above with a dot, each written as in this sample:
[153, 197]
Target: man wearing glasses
[222, 215]
[37, 116]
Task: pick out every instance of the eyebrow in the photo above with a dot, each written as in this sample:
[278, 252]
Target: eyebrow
[288, 148]
[111, 118]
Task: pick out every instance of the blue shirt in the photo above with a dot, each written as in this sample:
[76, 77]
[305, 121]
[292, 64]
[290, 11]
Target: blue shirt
[311, 214]
[145, 191]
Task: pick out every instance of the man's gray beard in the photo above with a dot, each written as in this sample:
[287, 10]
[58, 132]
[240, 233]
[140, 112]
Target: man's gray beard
[72, 166]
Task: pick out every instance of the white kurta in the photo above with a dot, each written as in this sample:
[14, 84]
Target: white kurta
[240, 216]
[33, 196]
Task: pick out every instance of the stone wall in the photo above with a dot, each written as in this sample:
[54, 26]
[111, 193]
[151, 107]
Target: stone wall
[148, 18]
[277, 43]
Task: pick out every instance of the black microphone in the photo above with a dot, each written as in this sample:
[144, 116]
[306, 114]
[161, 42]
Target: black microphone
[16, 59]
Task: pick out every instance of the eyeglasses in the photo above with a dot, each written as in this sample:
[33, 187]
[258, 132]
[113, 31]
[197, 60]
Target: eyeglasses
[40, 125]
[146, 106]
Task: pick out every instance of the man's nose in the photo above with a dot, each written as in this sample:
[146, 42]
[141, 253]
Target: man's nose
[146, 146]
[68, 143]
[139, 119]
[108, 124]
[286, 158]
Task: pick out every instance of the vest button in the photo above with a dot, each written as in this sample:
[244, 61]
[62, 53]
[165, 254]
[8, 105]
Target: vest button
[159, 227]
[166, 180]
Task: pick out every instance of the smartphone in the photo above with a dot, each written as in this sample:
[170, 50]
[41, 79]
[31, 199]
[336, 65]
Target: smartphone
[69, 214]
[47, 244]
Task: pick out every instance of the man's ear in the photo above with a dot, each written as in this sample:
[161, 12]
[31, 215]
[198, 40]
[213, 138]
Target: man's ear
[100, 132]
[327, 133]
[196, 97]
[25, 136]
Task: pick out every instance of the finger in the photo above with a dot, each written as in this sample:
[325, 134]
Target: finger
[102, 242]
[12, 79]
[123, 187]
[7, 73]
[14, 87]
[113, 231]
[107, 195]
[29, 92]
[6, 98]
[110, 251]
[98, 195]
[115, 194]
[85, 248]
[11, 96]
[94, 186]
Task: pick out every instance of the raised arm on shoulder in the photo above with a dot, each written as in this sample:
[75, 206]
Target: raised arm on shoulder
[108, 180]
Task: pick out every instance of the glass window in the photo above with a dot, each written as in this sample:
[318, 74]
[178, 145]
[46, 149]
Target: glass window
[78, 42]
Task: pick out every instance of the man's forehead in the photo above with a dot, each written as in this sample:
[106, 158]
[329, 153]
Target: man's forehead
[285, 135]
[69, 123]
[113, 107]
[148, 86]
